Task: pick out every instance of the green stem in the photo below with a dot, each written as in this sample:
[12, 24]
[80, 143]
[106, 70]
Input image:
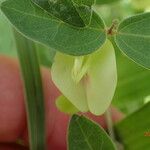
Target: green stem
[33, 91]
[109, 123]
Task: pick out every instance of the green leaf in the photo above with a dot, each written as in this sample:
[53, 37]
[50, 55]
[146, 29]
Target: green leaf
[62, 9]
[133, 38]
[89, 82]
[33, 92]
[84, 2]
[106, 1]
[46, 55]
[64, 105]
[132, 79]
[84, 134]
[132, 131]
[7, 42]
[44, 27]
[70, 11]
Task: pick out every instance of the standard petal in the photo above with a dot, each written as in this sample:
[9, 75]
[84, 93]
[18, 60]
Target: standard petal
[101, 79]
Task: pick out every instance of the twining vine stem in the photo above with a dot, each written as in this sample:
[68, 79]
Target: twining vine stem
[109, 123]
[110, 128]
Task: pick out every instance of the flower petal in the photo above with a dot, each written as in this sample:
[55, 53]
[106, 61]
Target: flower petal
[101, 79]
[62, 77]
